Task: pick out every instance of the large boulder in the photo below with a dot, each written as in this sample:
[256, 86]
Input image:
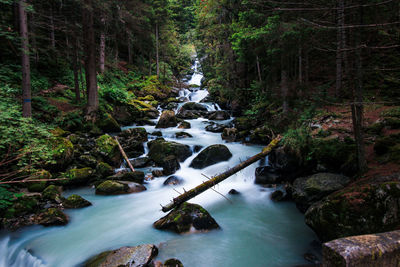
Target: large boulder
[107, 147]
[186, 216]
[118, 188]
[160, 149]
[363, 208]
[141, 162]
[308, 190]
[170, 165]
[108, 124]
[189, 114]
[75, 202]
[80, 176]
[211, 155]
[219, 115]
[167, 119]
[138, 256]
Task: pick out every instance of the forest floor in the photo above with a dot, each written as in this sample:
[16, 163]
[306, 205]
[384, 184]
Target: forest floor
[338, 122]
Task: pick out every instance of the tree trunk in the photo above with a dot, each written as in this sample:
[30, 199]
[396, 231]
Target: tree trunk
[102, 47]
[258, 69]
[300, 65]
[157, 53]
[284, 85]
[90, 61]
[339, 48]
[26, 68]
[76, 74]
[357, 107]
[129, 48]
[52, 34]
[219, 178]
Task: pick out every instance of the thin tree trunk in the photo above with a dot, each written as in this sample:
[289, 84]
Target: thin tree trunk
[357, 107]
[129, 48]
[76, 74]
[26, 69]
[339, 48]
[90, 61]
[258, 69]
[300, 65]
[307, 67]
[150, 67]
[284, 85]
[219, 178]
[102, 46]
[157, 55]
[52, 34]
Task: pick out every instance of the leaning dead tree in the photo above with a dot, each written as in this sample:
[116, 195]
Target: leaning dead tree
[219, 178]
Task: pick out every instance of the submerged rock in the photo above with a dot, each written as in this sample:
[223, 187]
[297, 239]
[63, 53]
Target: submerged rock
[233, 192]
[173, 180]
[186, 216]
[173, 263]
[308, 190]
[118, 188]
[75, 202]
[211, 155]
[139, 256]
[167, 120]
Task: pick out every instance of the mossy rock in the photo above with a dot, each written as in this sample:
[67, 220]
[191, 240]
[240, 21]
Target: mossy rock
[59, 132]
[108, 148]
[39, 186]
[136, 176]
[88, 160]
[108, 124]
[356, 210]
[63, 151]
[76, 202]
[211, 155]
[167, 120]
[187, 215]
[146, 98]
[160, 149]
[24, 205]
[388, 148]
[244, 123]
[103, 170]
[126, 256]
[52, 192]
[118, 187]
[193, 106]
[141, 105]
[53, 217]
[308, 190]
[78, 176]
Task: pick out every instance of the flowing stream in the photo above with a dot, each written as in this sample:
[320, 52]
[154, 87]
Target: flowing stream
[254, 230]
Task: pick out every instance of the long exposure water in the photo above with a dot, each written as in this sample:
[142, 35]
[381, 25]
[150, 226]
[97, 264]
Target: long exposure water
[254, 230]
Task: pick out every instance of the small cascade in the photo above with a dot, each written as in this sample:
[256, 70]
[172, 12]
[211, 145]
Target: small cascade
[13, 256]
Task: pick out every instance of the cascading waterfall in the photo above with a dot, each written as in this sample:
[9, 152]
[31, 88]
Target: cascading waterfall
[255, 230]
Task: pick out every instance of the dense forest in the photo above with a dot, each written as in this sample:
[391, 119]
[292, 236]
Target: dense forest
[75, 75]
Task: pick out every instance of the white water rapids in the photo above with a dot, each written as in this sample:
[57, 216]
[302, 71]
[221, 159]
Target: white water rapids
[254, 230]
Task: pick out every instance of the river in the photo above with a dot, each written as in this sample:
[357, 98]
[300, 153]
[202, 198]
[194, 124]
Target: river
[255, 231]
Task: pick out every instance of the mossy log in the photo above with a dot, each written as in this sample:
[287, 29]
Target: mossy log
[219, 178]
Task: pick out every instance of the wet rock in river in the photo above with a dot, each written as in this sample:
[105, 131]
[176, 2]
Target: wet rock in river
[183, 135]
[136, 176]
[186, 216]
[219, 115]
[160, 149]
[52, 217]
[215, 127]
[118, 187]
[75, 202]
[141, 162]
[138, 256]
[267, 175]
[233, 192]
[170, 165]
[193, 106]
[167, 120]
[173, 180]
[211, 155]
[184, 125]
[173, 263]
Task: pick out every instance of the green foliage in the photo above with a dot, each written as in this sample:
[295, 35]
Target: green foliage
[6, 197]
[26, 138]
[298, 141]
